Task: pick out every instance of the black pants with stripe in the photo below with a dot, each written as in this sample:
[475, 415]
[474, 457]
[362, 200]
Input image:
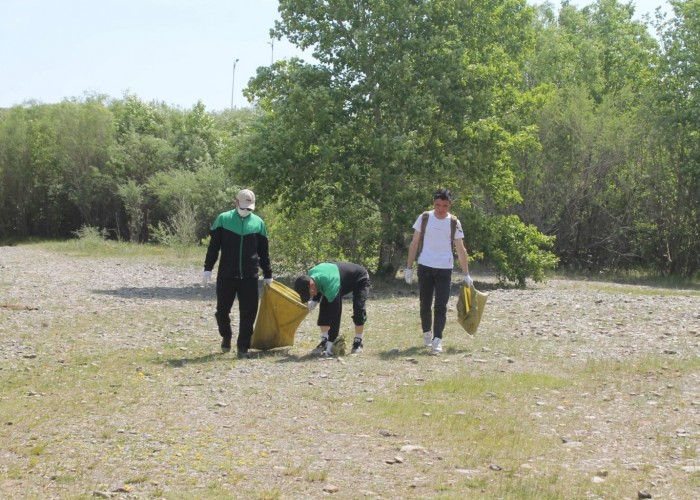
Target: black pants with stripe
[246, 290]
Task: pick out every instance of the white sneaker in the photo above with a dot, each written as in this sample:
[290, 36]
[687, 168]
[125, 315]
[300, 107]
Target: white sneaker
[437, 346]
[428, 339]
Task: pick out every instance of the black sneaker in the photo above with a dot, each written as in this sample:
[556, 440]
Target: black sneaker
[243, 354]
[321, 347]
[356, 346]
[226, 344]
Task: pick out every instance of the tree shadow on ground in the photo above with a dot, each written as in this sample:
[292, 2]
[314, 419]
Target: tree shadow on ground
[403, 353]
[192, 292]
[417, 352]
[299, 358]
[182, 362]
[380, 289]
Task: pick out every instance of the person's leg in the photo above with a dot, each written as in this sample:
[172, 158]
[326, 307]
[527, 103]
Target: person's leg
[329, 315]
[321, 347]
[225, 294]
[426, 287]
[248, 307]
[359, 301]
[443, 278]
[324, 324]
[359, 314]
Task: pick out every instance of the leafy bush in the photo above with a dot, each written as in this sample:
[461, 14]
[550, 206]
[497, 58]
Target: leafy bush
[517, 250]
[91, 234]
[209, 191]
[90, 237]
[180, 231]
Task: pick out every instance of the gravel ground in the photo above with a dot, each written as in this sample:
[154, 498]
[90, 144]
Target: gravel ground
[112, 386]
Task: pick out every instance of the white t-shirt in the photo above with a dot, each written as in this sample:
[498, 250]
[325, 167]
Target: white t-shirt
[437, 246]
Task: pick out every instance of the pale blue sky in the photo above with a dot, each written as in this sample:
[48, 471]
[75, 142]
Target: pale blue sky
[175, 51]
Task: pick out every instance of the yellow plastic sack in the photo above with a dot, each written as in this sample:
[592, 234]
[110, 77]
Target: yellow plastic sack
[339, 347]
[470, 308]
[279, 316]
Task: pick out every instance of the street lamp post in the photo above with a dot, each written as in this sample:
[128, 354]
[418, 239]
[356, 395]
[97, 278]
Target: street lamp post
[272, 51]
[233, 81]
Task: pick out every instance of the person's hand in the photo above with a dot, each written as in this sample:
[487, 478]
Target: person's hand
[312, 305]
[468, 280]
[206, 276]
[408, 276]
[268, 281]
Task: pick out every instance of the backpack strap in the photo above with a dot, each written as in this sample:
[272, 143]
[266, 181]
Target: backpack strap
[424, 224]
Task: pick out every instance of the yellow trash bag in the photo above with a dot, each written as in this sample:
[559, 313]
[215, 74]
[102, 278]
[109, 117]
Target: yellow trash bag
[339, 347]
[470, 307]
[279, 316]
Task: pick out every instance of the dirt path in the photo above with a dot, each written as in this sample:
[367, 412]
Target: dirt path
[112, 386]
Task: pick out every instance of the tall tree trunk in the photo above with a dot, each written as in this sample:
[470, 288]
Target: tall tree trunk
[392, 249]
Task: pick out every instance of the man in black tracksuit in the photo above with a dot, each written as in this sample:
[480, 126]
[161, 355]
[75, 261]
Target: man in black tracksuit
[241, 237]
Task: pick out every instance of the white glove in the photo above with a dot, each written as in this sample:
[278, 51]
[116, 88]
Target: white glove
[408, 276]
[206, 276]
[468, 280]
[312, 305]
[268, 281]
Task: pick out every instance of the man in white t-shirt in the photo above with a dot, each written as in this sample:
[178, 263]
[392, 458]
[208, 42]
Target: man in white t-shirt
[435, 264]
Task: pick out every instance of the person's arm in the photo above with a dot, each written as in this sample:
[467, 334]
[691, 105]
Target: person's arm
[264, 255]
[213, 249]
[412, 249]
[463, 256]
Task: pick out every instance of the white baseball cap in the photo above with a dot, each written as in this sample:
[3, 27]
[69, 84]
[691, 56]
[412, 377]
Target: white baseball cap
[246, 198]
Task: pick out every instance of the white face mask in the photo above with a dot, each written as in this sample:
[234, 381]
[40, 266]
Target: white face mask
[243, 213]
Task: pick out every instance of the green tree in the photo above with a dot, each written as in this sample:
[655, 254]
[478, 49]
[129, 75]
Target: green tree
[54, 159]
[678, 206]
[593, 69]
[406, 96]
[133, 198]
[16, 169]
[84, 135]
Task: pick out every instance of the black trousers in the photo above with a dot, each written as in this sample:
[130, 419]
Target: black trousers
[434, 282]
[330, 313]
[246, 290]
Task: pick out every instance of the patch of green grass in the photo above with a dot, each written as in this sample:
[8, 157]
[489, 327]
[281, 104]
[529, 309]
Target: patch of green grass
[95, 248]
[657, 291]
[37, 450]
[637, 277]
[67, 479]
[476, 420]
[12, 473]
[317, 475]
[137, 479]
[546, 487]
[269, 494]
[481, 418]
[622, 371]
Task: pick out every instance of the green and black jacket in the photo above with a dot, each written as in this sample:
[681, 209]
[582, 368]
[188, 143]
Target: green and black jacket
[243, 244]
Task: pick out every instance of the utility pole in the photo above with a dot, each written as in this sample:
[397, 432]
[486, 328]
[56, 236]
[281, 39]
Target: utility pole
[233, 81]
